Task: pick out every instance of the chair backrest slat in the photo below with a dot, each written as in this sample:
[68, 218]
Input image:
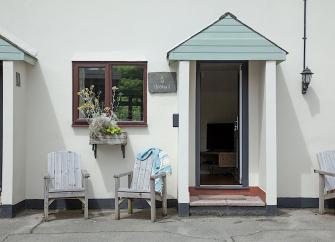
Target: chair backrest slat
[64, 169]
[141, 174]
[327, 163]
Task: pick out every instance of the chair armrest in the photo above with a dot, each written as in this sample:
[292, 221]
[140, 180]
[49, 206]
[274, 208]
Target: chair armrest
[85, 174]
[326, 173]
[123, 174]
[47, 177]
[160, 175]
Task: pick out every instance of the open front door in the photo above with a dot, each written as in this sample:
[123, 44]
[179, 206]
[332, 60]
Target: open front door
[244, 124]
[222, 124]
[238, 128]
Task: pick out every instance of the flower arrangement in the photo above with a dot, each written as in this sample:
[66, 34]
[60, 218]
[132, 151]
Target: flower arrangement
[102, 121]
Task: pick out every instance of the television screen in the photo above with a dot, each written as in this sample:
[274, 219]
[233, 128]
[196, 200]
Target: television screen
[220, 136]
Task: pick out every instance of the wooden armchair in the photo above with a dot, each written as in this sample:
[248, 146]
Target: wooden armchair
[326, 173]
[65, 180]
[141, 184]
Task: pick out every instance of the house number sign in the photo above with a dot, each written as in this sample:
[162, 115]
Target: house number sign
[162, 82]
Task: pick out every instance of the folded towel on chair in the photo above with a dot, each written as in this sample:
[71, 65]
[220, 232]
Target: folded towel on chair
[160, 164]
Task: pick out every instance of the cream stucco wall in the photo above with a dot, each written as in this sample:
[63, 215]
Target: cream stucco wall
[14, 136]
[19, 132]
[63, 30]
[8, 123]
[255, 171]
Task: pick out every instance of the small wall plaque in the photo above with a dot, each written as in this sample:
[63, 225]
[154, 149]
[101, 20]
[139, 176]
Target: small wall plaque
[18, 79]
[162, 82]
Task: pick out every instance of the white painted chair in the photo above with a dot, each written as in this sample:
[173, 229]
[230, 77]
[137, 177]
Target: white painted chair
[65, 180]
[326, 173]
[141, 184]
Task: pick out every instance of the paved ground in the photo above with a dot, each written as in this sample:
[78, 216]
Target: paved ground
[291, 225]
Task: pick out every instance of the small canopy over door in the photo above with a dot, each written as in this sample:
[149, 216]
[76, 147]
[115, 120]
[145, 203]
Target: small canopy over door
[227, 39]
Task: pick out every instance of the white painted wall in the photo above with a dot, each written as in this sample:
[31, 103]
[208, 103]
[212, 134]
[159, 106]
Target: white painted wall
[14, 138]
[148, 29]
[255, 81]
[8, 125]
[19, 133]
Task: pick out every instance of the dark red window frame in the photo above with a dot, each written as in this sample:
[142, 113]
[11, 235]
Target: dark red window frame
[79, 122]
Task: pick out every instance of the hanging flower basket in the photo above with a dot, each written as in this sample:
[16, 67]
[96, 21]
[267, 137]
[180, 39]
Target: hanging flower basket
[115, 139]
[102, 121]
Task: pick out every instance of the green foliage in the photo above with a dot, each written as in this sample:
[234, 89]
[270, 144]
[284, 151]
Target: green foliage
[130, 91]
[112, 130]
[130, 86]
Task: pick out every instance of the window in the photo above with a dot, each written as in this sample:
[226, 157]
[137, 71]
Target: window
[130, 78]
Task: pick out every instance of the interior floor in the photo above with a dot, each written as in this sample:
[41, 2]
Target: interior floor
[226, 179]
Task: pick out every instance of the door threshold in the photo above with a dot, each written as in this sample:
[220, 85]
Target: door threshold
[222, 187]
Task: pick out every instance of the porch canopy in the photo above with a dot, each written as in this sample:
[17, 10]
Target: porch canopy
[10, 51]
[227, 39]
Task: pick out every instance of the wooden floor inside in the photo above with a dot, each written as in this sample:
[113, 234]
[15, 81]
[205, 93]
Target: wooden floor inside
[218, 179]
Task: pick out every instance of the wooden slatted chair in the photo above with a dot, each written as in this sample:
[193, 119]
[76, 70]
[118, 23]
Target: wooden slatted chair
[65, 180]
[141, 184]
[326, 173]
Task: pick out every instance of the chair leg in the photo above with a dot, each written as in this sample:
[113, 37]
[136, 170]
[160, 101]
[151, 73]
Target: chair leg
[116, 198]
[117, 208]
[164, 197]
[153, 200]
[86, 207]
[321, 194]
[46, 208]
[130, 206]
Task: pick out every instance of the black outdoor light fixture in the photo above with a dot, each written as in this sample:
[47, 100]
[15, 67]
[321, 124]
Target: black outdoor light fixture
[306, 73]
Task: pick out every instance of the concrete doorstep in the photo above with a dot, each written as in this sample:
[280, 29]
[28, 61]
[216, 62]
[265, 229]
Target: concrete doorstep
[226, 200]
[291, 225]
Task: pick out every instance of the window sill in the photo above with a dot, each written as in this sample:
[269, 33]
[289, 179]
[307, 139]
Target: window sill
[122, 125]
[132, 125]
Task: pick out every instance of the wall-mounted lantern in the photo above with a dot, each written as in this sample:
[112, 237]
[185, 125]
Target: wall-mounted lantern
[306, 79]
[306, 73]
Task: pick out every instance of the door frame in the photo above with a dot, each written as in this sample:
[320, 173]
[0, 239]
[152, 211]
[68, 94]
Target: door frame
[1, 121]
[244, 128]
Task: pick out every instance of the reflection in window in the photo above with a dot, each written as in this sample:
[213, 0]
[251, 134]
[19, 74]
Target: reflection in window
[129, 81]
[89, 76]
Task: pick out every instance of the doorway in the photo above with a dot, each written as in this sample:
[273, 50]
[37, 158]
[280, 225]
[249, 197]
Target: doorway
[222, 124]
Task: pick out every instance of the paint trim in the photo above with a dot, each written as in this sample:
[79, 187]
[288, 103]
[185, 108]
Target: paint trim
[183, 209]
[271, 210]
[10, 211]
[302, 202]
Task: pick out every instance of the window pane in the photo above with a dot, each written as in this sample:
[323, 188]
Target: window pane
[128, 98]
[89, 76]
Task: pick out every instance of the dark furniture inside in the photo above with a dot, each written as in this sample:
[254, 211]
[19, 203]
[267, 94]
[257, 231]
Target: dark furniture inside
[220, 158]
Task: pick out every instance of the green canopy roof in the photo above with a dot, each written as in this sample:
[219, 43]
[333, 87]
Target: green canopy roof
[227, 39]
[11, 51]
